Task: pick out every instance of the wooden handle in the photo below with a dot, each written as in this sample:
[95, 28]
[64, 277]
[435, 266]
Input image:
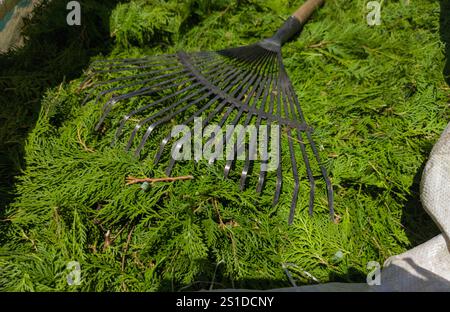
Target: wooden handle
[294, 24]
[308, 8]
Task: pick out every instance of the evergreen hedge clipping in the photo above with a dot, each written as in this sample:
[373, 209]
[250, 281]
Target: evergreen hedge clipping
[375, 95]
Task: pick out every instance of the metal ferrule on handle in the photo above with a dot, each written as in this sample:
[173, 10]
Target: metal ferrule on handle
[294, 23]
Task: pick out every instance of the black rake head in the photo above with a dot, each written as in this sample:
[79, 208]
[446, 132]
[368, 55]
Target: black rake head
[243, 86]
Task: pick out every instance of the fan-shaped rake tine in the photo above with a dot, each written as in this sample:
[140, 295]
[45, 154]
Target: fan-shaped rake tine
[250, 76]
[295, 175]
[324, 175]
[151, 62]
[227, 78]
[252, 143]
[251, 60]
[252, 147]
[244, 53]
[142, 82]
[144, 91]
[312, 182]
[330, 194]
[136, 59]
[172, 115]
[279, 180]
[254, 88]
[289, 109]
[109, 64]
[219, 108]
[154, 103]
[243, 86]
[228, 135]
[220, 70]
[262, 173]
[293, 160]
[131, 77]
[178, 102]
[110, 69]
[127, 69]
[291, 98]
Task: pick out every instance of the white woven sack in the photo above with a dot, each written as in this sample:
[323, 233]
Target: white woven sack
[435, 188]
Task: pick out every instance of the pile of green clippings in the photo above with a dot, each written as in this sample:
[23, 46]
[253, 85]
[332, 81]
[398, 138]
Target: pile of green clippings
[375, 95]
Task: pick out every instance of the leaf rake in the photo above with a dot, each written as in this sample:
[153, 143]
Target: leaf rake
[244, 86]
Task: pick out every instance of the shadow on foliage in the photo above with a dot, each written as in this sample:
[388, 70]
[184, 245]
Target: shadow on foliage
[212, 278]
[419, 226]
[353, 275]
[247, 284]
[53, 53]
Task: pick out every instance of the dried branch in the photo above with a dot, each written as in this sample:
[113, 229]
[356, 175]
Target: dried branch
[319, 45]
[80, 140]
[126, 248]
[86, 84]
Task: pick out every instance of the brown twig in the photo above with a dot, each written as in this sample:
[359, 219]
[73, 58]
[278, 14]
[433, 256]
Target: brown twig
[123, 285]
[221, 224]
[132, 180]
[126, 247]
[86, 84]
[319, 45]
[33, 243]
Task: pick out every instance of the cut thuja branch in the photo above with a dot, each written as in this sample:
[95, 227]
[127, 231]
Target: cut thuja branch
[132, 180]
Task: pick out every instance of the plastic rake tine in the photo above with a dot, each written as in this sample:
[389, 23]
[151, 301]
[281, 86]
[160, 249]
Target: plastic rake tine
[244, 86]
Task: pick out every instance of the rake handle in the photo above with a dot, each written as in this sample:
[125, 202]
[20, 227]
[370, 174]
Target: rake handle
[307, 9]
[294, 24]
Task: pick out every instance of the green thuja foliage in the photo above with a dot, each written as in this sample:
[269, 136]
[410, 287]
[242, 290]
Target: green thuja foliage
[376, 97]
[159, 22]
[53, 52]
[141, 21]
